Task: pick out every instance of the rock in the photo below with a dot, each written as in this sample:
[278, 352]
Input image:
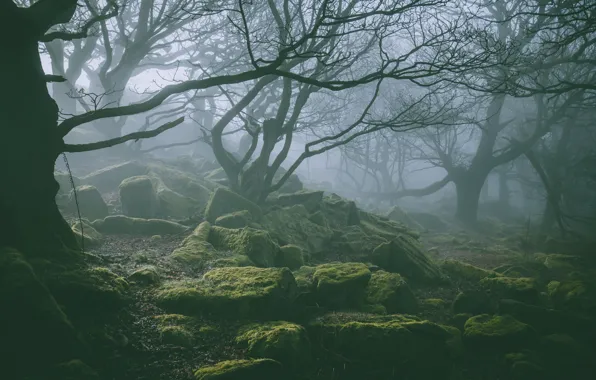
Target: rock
[232, 293]
[90, 203]
[257, 245]
[224, 201]
[398, 215]
[304, 278]
[290, 256]
[176, 329]
[311, 200]
[473, 302]
[405, 256]
[429, 221]
[65, 183]
[88, 291]
[520, 289]
[459, 320]
[90, 236]
[340, 212]
[238, 219]
[574, 295]
[284, 342]
[108, 179]
[74, 370]
[371, 344]
[391, 291]
[175, 205]
[341, 284]
[146, 275]
[291, 225]
[120, 224]
[497, 332]
[549, 321]
[458, 270]
[523, 370]
[138, 197]
[566, 358]
[292, 184]
[374, 224]
[355, 243]
[261, 369]
[32, 325]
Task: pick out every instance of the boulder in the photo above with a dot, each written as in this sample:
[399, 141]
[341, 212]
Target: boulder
[108, 178]
[64, 181]
[233, 292]
[497, 333]
[459, 271]
[290, 256]
[405, 256]
[311, 200]
[90, 203]
[87, 234]
[473, 302]
[261, 369]
[398, 215]
[340, 285]
[573, 295]
[224, 201]
[285, 342]
[340, 212]
[176, 329]
[520, 289]
[138, 198]
[391, 291]
[146, 276]
[73, 370]
[238, 219]
[257, 245]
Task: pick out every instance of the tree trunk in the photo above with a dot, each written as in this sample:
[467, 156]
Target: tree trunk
[29, 146]
[468, 188]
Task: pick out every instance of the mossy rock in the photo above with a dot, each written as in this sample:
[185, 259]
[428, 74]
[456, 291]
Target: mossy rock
[574, 295]
[176, 329]
[304, 278]
[32, 325]
[195, 251]
[566, 358]
[373, 224]
[238, 219]
[497, 332]
[340, 212]
[474, 302]
[233, 292]
[341, 284]
[291, 225]
[255, 244]
[146, 275]
[74, 370]
[405, 256]
[63, 179]
[257, 369]
[89, 235]
[89, 202]
[224, 201]
[108, 178]
[523, 289]
[398, 215]
[175, 205]
[138, 198]
[286, 342]
[364, 345]
[458, 270]
[429, 221]
[89, 291]
[459, 320]
[391, 291]
[120, 224]
[290, 256]
[356, 243]
[525, 370]
[311, 200]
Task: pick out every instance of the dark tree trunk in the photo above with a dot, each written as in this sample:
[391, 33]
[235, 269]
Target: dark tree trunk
[468, 186]
[29, 146]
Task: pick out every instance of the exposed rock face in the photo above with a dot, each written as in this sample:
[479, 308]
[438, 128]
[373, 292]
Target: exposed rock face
[138, 197]
[391, 291]
[90, 203]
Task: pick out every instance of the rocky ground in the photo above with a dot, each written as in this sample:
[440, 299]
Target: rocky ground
[196, 282]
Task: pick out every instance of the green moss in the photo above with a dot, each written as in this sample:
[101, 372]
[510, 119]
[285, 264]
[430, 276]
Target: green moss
[341, 284]
[311, 200]
[238, 219]
[340, 212]
[291, 225]
[120, 224]
[285, 342]
[257, 245]
[89, 291]
[89, 202]
[91, 237]
[232, 292]
[463, 271]
[575, 295]
[138, 197]
[404, 255]
[146, 275]
[224, 201]
[262, 369]
[497, 332]
[290, 256]
[32, 325]
[391, 291]
[520, 289]
[459, 320]
[195, 251]
[304, 278]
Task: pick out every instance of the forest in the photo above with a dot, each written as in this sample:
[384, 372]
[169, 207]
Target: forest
[298, 189]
